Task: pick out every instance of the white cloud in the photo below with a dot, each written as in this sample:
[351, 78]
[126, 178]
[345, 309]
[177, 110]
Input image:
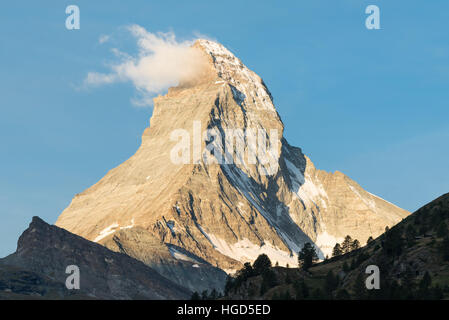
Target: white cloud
[103, 39]
[95, 78]
[161, 62]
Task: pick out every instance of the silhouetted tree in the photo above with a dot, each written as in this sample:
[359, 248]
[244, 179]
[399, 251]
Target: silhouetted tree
[370, 239]
[393, 242]
[195, 296]
[213, 295]
[337, 250]
[204, 295]
[355, 245]
[247, 271]
[346, 244]
[307, 256]
[261, 264]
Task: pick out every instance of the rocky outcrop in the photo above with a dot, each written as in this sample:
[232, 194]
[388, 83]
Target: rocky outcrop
[38, 269]
[227, 204]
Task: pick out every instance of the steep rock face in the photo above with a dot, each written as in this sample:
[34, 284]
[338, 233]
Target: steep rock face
[268, 199]
[38, 268]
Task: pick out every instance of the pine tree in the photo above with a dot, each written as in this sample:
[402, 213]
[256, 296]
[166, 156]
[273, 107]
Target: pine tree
[213, 295]
[393, 242]
[307, 256]
[337, 250]
[346, 244]
[195, 296]
[355, 245]
[261, 264]
[246, 272]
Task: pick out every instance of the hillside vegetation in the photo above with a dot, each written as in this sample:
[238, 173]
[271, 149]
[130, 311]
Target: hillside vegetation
[413, 259]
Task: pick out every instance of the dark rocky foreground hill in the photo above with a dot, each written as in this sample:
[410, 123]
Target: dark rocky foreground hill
[413, 259]
[37, 270]
[172, 262]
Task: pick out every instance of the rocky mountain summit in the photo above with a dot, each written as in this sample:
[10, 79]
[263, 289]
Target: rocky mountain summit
[200, 184]
[38, 269]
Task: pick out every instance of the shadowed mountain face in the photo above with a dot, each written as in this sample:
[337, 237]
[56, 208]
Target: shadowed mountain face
[226, 213]
[37, 269]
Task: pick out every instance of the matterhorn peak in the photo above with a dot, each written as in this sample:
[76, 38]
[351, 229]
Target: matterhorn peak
[248, 86]
[247, 201]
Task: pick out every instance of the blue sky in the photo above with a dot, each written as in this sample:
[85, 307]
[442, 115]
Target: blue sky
[370, 103]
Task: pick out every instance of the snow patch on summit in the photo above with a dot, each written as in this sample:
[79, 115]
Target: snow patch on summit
[233, 71]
